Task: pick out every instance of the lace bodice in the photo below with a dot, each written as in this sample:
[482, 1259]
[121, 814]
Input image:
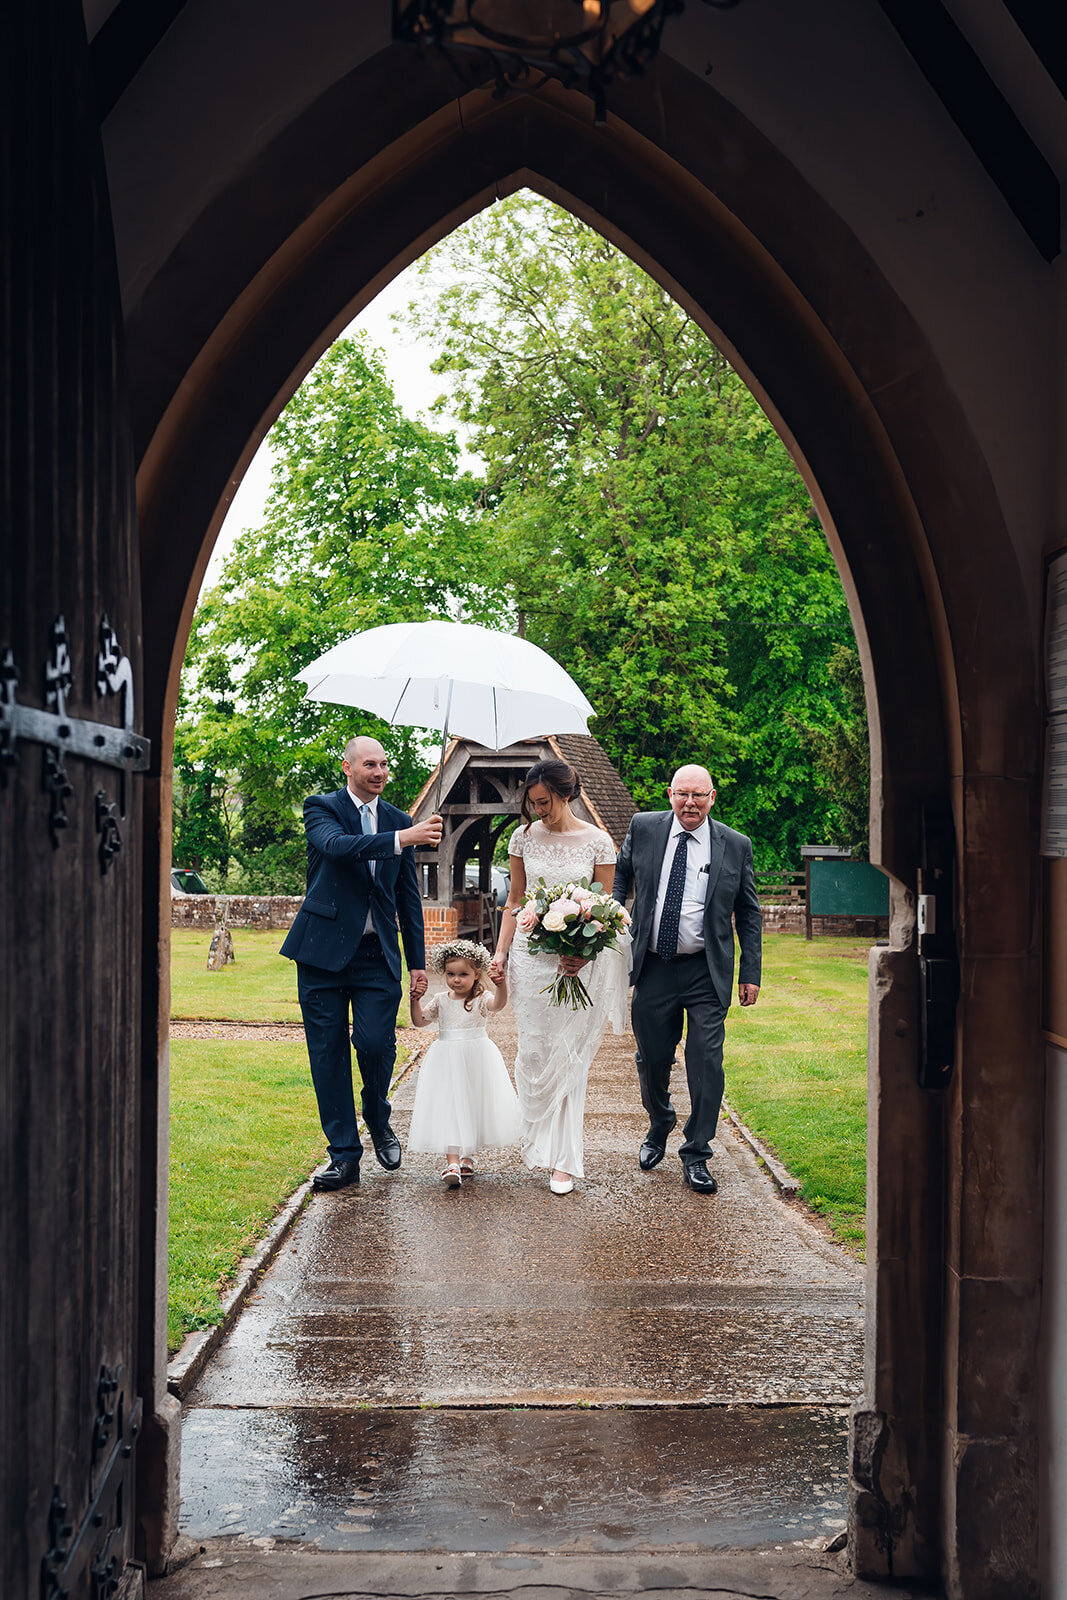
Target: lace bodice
[561, 858]
[453, 1018]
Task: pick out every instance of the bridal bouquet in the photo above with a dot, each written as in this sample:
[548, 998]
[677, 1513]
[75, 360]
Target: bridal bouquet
[571, 919]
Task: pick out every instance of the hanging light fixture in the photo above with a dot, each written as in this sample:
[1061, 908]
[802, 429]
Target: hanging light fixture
[582, 43]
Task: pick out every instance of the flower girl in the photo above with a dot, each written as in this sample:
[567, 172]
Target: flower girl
[464, 1100]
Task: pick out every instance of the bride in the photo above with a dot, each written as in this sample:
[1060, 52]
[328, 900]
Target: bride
[556, 1044]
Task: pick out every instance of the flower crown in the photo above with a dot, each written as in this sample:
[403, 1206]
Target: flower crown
[459, 950]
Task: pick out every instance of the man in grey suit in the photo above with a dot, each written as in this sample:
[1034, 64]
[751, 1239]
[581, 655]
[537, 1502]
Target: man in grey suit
[692, 880]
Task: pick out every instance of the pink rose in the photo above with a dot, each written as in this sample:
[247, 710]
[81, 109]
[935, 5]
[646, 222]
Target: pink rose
[527, 919]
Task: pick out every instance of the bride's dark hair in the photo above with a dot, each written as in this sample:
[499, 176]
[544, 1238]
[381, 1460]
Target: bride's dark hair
[557, 777]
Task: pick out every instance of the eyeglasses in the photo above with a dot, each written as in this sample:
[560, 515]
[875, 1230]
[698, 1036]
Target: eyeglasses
[692, 794]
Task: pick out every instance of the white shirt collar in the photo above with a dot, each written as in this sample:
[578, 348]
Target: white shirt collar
[359, 804]
[701, 834]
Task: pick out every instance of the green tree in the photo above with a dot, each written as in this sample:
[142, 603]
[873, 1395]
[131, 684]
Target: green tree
[369, 521]
[842, 754]
[648, 523]
[201, 820]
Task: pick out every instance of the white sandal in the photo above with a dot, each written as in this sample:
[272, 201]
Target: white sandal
[451, 1177]
[466, 1167]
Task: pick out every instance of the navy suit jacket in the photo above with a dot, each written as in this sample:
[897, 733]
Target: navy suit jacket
[340, 889]
[730, 900]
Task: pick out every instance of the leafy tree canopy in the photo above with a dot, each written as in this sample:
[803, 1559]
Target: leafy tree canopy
[639, 518]
[647, 520]
[369, 521]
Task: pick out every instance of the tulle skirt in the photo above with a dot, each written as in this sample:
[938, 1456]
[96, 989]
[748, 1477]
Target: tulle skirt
[463, 1099]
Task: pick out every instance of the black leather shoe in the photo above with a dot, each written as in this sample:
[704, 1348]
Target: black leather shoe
[699, 1179]
[653, 1150]
[387, 1149]
[337, 1175]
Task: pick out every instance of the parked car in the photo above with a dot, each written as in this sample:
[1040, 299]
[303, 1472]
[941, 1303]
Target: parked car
[498, 876]
[184, 881]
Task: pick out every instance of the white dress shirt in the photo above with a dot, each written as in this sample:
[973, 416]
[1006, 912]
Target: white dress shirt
[370, 807]
[694, 894]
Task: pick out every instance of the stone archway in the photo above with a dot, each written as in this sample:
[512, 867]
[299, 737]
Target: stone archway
[723, 221]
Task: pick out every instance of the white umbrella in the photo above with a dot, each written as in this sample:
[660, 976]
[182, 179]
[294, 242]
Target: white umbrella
[487, 686]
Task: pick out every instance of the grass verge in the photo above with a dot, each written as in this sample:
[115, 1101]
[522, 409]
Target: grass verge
[244, 1133]
[796, 1072]
[260, 986]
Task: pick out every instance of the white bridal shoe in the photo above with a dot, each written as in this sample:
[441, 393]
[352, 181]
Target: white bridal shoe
[561, 1185]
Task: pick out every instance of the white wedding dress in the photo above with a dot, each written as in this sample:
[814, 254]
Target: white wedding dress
[556, 1044]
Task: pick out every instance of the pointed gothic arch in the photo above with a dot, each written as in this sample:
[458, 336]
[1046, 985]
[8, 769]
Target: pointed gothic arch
[221, 335]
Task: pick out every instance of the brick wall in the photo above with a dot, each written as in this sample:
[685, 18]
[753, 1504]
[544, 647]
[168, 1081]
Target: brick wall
[441, 923]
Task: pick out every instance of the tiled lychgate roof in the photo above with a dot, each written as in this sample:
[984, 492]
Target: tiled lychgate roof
[604, 788]
[606, 797]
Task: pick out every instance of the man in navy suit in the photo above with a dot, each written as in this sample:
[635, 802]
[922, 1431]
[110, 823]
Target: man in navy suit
[361, 878]
[693, 884]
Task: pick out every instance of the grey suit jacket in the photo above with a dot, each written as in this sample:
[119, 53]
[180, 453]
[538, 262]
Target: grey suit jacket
[731, 897]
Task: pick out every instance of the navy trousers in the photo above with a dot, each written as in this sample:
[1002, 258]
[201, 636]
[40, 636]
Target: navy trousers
[667, 994]
[367, 993]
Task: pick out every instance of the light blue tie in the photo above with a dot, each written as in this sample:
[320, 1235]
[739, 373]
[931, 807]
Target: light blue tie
[368, 827]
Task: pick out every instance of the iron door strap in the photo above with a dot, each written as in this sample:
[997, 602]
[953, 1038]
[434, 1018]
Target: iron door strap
[63, 736]
[72, 1550]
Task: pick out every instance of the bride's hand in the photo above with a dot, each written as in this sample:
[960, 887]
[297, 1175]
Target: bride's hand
[571, 965]
[496, 969]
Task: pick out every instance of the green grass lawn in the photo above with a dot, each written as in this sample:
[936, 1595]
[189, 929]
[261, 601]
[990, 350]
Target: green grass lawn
[244, 1133]
[796, 1071]
[260, 986]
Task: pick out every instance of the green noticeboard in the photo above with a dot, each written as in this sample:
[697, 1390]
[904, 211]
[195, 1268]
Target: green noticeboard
[848, 889]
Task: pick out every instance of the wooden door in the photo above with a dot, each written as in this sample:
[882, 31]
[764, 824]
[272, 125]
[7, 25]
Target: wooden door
[69, 837]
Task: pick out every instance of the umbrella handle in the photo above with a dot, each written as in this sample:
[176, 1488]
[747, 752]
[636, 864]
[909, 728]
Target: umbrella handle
[444, 746]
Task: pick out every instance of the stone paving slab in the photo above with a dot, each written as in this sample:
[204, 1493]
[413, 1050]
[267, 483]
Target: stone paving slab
[372, 1393]
[221, 1571]
[741, 1348]
[516, 1480]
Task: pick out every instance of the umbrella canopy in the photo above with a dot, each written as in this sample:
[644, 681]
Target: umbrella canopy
[487, 686]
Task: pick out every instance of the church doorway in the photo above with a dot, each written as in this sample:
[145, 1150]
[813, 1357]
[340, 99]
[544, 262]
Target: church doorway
[863, 445]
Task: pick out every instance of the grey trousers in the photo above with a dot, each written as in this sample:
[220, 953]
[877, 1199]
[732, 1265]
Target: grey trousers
[666, 993]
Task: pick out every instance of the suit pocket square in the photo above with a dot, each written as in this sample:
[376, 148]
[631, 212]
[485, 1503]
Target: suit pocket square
[319, 908]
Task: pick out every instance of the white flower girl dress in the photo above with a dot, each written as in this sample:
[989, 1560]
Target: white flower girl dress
[463, 1098]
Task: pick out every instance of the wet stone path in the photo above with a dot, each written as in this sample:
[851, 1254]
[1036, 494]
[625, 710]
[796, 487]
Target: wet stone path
[628, 1367]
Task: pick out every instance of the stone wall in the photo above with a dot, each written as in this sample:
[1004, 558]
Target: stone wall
[783, 919]
[790, 919]
[442, 922]
[246, 910]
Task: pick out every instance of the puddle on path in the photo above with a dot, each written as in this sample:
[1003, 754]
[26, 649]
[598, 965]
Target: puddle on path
[516, 1480]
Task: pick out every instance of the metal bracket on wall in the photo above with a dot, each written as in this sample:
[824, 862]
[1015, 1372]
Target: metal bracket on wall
[64, 736]
[939, 966]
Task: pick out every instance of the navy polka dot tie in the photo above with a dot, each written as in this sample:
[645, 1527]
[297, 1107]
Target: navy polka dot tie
[667, 943]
